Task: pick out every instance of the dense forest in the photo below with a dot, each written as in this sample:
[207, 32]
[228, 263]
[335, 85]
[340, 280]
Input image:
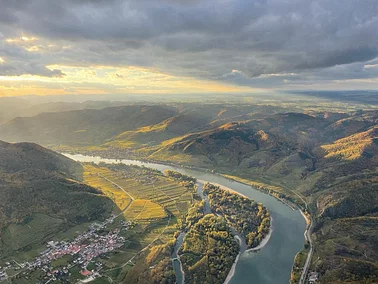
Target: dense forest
[33, 181]
[247, 217]
[208, 251]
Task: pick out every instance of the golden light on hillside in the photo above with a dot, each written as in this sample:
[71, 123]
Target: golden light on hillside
[351, 147]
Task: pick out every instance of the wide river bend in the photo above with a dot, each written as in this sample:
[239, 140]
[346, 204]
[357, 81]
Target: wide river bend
[271, 264]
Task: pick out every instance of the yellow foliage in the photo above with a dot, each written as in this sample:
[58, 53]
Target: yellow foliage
[351, 147]
[142, 209]
[94, 176]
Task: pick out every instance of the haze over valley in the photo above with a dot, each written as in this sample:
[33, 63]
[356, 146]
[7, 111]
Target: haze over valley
[231, 141]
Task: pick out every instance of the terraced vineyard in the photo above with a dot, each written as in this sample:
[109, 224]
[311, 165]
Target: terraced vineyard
[154, 194]
[142, 209]
[95, 176]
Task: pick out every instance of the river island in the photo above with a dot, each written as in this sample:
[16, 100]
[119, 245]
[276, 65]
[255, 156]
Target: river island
[218, 228]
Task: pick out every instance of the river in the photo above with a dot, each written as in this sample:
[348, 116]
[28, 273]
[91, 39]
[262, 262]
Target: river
[271, 264]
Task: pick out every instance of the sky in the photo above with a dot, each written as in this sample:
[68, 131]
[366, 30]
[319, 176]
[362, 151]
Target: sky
[186, 46]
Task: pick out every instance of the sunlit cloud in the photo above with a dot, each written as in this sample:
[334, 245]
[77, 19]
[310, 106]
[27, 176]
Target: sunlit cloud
[2, 60]
[21, 39]
[368, 66]
[136, 46]
[111, 80]
[33, 48]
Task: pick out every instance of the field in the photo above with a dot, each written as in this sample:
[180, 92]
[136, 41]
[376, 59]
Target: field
[27, 238]
[95, 177]
[140, 193]
[142, 209]
[153, 201]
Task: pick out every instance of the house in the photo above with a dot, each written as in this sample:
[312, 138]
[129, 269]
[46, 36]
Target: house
[313, 277]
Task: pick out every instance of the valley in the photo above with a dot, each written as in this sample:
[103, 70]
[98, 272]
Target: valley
[132, 241]
[189, 142]
[322, 161]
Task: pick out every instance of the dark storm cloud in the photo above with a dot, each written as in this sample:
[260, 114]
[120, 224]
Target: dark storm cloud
[204, 39]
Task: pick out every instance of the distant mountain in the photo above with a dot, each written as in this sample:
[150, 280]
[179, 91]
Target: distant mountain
[327, 159]
[84, 127]
[12, 107]
[114, 126]
[40, 197]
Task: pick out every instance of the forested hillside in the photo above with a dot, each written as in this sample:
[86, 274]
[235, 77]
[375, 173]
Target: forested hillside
[324, 159]
[40, 198]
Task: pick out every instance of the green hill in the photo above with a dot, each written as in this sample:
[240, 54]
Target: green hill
[40, 198]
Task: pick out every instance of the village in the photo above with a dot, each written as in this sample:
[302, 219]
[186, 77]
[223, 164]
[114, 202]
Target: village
[84, 249]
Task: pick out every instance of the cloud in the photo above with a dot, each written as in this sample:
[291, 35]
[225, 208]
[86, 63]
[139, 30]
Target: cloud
[19, 69]
[206, 39]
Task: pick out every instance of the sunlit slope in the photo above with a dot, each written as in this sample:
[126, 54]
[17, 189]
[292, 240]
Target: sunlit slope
[156, 133]
[122, 127]
[84, 127]
[97, 178]
[140, 194]
[354, 146]
[254, 144]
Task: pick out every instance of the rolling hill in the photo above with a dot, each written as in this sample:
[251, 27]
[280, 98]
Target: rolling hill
[335, 174]
[327, 159]
[40, 198]
[12, 107]
[83, 127]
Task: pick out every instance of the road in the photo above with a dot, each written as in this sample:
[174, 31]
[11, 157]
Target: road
[120, 187]
[308, 232]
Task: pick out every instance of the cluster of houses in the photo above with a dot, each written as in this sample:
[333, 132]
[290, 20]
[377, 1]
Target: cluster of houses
[84, 249]
[111, 153]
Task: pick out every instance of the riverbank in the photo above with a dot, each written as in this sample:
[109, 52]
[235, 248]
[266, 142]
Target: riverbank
[176, 257]
[262, 187]
[265, 240]
[307, 233]
[267, 237]
[226, 188]
[181, 270]
[286, 221]
[232, 270]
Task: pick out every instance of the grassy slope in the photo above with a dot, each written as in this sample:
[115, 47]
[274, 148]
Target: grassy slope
[32, 210]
